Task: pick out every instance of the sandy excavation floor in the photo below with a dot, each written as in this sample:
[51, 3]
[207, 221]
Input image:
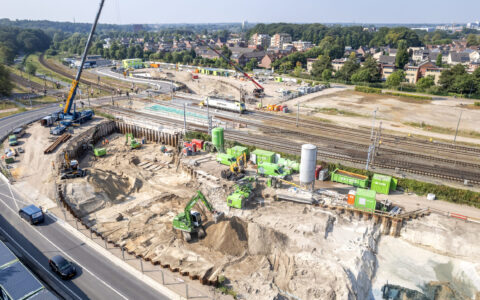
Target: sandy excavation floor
[276, 250]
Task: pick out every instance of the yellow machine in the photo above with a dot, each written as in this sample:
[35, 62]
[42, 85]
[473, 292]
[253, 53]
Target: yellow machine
[237, 169]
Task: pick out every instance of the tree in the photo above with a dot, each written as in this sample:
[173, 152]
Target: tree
[402, 57]
[322, 63]
[447, 78]
[298, 70]
[472, 40]
[326, 75]
[439, 62]
[425, 83]
[6, 55]
[362, 75]
[31, 68]
[348, 69]
[373, 68]
[226, 51]
[465, 84]
[285, 66]
[252, 64]
[6, 85]
[396, 78]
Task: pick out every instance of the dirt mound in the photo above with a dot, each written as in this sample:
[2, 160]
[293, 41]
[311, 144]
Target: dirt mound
[263, 241]
[228, 237]
[114, 185]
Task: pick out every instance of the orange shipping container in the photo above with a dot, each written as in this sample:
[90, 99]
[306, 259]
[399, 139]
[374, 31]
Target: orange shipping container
[351, 197]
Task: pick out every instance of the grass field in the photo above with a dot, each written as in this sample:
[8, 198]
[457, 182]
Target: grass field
[445, 130]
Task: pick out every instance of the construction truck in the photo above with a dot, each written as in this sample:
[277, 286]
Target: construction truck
[237, 168]
[133, 142]
[268, 169]
[243, 191]
[71, 169]
[189, 222]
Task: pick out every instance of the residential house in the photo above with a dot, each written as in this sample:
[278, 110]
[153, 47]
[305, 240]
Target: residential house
[267, 61]
[455, 58]
[392, 52]
[362, 51]
[165, 46]
[386, 60]
[243, 58]
[473, 66]
[387, 70]
[420, 55]
[302, 45]
[260, 39]
[148, 46]
[338, 63]
[414, 73]
[310, 62]
[435, 72]
[205, 52]
[220, 42]
[279, 39]
[474, 56]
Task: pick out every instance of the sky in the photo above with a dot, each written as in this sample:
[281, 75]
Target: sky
[267, 11]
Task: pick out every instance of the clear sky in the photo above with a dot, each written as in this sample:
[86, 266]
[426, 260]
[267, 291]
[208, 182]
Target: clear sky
[213, 11]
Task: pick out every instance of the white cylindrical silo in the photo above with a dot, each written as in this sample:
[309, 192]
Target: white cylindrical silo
[308, 162]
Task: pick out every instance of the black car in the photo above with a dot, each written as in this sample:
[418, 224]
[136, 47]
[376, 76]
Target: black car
[62, 267]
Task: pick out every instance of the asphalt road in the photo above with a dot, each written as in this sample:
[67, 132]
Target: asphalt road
[161, 86]
[98, 278]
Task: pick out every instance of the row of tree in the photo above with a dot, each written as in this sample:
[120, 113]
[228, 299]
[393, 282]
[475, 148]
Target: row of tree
[16, 40]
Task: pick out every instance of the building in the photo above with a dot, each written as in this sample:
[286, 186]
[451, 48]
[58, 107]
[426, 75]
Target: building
[435, 72]
[387, 70]
[134, 63]
[310, 62]
[386, 60]
[414, 73]
[279, 39]
[338, 63]
[455, 58]
[243, 58]
[16, 281]
[474, 56]
[420, 55]
[267, 61]
[260, 39]
[302, 45]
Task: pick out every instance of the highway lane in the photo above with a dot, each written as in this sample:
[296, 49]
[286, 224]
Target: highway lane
[99, 278]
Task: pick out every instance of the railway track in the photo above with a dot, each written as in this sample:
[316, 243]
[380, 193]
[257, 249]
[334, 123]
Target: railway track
[364, 134]
[290, 147]
[62, 72]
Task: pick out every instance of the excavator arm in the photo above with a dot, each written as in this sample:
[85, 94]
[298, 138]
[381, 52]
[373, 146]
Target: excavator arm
[199, 197]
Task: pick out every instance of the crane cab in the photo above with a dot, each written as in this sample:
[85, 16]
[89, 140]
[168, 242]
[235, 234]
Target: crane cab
[196, 219]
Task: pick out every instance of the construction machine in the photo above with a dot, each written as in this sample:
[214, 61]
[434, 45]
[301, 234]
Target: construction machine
[189, 222]
[242, 193]
[237, 168]
[71, 169]
[133, 142]
[67, 117]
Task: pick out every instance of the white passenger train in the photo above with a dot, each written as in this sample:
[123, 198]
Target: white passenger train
[223, 104]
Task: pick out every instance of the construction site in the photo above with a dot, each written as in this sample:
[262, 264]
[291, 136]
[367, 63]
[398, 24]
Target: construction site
[263, 190]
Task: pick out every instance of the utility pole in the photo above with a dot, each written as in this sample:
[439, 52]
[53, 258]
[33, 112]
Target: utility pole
[458, 124]
[88, 95]
[208, 119]
[373, 122]
[371, 148]
[298, 112]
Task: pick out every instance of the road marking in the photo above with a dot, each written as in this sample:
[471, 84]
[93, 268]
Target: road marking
[13, 197]
[68, 256]
[33, 112]
[31, 257]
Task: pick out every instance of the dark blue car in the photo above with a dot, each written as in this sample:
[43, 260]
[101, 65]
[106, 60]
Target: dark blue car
[32, 214]
[62, 267]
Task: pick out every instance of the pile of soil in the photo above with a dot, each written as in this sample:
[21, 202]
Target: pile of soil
[228, 237]
[116, 186]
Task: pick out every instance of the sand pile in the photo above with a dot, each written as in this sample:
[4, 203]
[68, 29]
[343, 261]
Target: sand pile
[115, 186]
[228, 237]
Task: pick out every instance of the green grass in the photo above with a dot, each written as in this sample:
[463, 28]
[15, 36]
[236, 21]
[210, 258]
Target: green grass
[444, 130]
[476, 103]
[335, 111]
[103, 114]
[33, 58]
[225, 289]
[370, 90]
[26, 76]
[7, 105]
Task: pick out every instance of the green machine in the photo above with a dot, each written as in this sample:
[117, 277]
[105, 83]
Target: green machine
[217, 139]
[190, 222]
[99, 152]
[225, 159]
[242, 193]
[271, 169]
[133, 142]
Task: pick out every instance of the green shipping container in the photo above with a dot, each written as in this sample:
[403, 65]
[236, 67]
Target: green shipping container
[217, 138]
[237, 151]
[263, 156]
[349, 178]
[383, 184]
[365, 199]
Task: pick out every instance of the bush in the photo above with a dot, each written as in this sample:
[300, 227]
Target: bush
[366, 89]
[476, 103]
[409, 96]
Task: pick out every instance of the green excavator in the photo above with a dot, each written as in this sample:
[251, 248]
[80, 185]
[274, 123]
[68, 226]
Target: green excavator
[133, 142]
[190, 222]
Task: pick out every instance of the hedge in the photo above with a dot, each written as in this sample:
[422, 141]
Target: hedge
[409, 96]
[366, 89]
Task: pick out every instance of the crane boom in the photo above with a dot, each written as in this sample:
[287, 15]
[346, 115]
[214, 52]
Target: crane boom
[73, 88]
[191, 204]
[234, 65]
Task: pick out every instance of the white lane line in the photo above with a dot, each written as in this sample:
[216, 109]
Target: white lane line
[10, 197]
[68, 256]
[38, 263]
[34, 113]
[13, 197]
